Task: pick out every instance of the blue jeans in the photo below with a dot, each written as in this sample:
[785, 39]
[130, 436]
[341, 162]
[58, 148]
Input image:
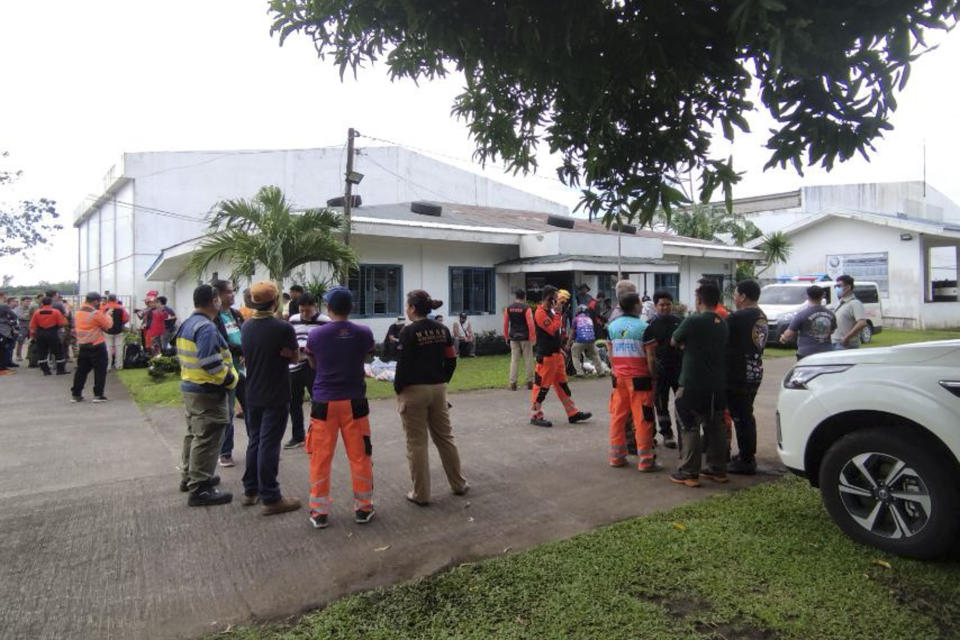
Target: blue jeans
[265, 427]
[226, 449]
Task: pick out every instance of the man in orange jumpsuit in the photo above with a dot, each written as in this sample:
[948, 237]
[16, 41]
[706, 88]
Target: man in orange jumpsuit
[551, 368]
[632, 387]
[336, 351]
[44, 330]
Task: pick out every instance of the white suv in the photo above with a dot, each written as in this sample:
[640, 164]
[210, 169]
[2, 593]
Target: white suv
[878, 431]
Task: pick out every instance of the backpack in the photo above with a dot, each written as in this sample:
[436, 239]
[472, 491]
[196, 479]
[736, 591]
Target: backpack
[134, 357]
[117, 327]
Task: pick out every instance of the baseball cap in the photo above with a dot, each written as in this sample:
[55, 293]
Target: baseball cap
[263, 292]
[338, 297]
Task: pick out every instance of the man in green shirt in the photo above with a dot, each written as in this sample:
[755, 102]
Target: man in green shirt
[700, 399]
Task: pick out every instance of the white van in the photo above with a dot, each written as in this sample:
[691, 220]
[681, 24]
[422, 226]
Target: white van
[780, 301]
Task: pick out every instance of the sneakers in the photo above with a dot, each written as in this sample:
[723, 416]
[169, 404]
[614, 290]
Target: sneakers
[742, 467]
[208, 496]
[248, 500]
[540, 422]
[669, 442]
[618, 463]
[653, 467]
[513, 386]
[283, 505]
[462, 492]
[292, 444]
[226, 461]
[76, 398]
[319, 520]
[212, 482]
[719, 477]
[580, 416]
[99, 399]
[363, 516]
[686, 481]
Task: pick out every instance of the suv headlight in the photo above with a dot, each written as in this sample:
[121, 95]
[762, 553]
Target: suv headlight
[799, 376]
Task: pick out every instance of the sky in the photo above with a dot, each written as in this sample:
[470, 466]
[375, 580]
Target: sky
[84, 82]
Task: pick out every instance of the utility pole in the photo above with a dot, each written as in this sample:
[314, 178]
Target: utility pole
[348, 185]
[619, 250]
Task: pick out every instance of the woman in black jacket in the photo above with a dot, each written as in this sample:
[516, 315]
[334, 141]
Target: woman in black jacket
[425, 365]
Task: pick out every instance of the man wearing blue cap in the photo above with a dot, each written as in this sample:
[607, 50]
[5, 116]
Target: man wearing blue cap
[337, 351]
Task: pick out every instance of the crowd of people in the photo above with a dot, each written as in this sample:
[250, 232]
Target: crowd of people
[268, 358]
[260, 362]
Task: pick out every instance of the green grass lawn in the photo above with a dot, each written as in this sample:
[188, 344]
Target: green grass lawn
[763, 563]
[886, 338]
[148, 392]
[472, 373]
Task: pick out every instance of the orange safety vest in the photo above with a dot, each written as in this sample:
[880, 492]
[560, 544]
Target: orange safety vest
[90, 325]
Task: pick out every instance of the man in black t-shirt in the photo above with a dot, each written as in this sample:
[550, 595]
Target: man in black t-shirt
[269, 346]
[747, 338]
[667, 359]
[293, 307]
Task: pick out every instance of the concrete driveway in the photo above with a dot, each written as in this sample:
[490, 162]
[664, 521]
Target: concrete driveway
[97, 542]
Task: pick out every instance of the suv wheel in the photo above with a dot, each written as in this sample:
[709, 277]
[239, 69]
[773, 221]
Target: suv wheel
[866, 334]
[884, 488]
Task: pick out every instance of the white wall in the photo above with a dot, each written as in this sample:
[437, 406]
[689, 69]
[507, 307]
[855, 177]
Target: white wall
[940, 315]
[842, 236]
[188, 184]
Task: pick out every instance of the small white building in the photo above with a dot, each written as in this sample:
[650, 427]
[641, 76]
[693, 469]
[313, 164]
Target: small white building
[474, 257]
[913, 260]
[152, 200]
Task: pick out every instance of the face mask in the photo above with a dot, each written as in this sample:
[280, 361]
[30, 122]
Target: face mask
[839, 291]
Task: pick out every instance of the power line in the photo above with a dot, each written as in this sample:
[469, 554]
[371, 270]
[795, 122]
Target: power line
[156, 211]
[461, 159]
[409, 181]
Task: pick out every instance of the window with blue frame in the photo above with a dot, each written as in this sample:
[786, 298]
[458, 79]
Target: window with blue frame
[669, 282]
[471, 290]
[377, 290]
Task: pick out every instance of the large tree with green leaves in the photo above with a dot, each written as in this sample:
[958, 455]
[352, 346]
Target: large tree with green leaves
[627, 92]
[265, 231]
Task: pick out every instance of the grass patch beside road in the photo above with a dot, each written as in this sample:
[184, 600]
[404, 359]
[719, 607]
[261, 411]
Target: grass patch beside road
[485, 372]
[892, 337]
[766, 562]
[148, 392]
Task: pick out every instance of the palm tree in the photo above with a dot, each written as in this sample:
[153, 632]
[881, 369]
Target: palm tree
[776, 248]
[710, 222]
[265, 231]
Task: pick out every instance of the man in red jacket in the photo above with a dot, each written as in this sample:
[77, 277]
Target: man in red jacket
[551, 367]
[520, 334]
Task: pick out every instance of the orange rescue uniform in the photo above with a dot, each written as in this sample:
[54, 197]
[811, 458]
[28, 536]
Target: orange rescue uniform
[351, 418]
[91, 324]
[632, 393]
[551, 370]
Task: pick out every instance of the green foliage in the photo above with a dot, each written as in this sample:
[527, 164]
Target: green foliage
[628, 92]
[765, 562]
[265, 231]
[162, 366]
[317, 286]
[41, 287]
[710, 222]
[27, 224]
[776, 248]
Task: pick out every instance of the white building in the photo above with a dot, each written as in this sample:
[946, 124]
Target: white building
[153, 200]
[474, 257]
[903, 235]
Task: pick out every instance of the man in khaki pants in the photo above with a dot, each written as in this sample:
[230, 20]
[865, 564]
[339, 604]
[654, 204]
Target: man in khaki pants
[519, 333]
[427, 362]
